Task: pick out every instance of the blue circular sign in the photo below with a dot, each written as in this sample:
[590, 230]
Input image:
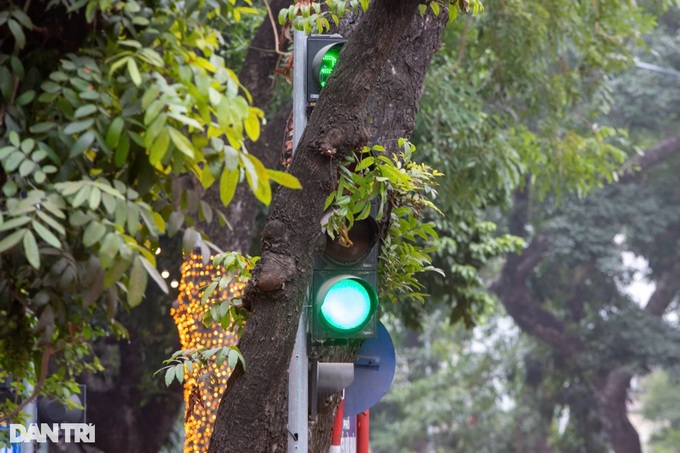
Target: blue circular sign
[374, 366]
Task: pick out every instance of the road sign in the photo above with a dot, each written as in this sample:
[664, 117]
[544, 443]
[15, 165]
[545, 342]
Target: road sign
[374, 366]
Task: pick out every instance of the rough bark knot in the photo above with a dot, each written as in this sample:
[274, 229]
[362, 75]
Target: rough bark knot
[275, 271]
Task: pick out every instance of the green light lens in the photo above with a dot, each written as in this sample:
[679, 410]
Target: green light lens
[347, 305]
[328, 62]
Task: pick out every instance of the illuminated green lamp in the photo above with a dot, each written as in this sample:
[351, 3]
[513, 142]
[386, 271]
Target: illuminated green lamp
[346, 304]
[323, 53]
[329, 59]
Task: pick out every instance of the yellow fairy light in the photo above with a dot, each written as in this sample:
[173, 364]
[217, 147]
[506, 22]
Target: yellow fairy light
[201, 401]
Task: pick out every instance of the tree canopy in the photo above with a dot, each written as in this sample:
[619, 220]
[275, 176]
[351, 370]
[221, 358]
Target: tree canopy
[130, 125]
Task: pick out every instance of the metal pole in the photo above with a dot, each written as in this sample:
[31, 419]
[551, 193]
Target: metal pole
[336, 438]
[299, 86]
[363, 431]
[298, 371]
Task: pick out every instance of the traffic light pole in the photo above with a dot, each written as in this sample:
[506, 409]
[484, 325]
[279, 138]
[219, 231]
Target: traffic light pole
[298, 439]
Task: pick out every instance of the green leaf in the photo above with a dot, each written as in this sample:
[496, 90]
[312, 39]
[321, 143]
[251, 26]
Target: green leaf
[130, 43]
[5, 82]
[13, 239]
[18, 33]
[22, 18]
[365, 163]
[252, 127]
[119, 63]
[169, 376]
[221, 356]
[154, 129]
[78, 126]
[153, 272]
[31, 250]
[93, 233]
[122, 150]
[132, 221]
[13, 161]
[26, 168]
[258, 180]
[179, 372]
[208, 292]
[6, 151]
[453, 13]
[231, 157]
[14, 139]
[39, 155]
[137, 283]
[153, 110]
[108, 250]
[89, 95]
[56, 226]
[114, 274]
[113, 134]
[175, 221]
[190, 240]
[181, 142]
[10, 188]
[85, 110]
[159, 148]
[80, 145]
[95, 198]
[134, 71]
[228, 182]
[150, 95]
[25, 98]
[46, 235]
[285, 179]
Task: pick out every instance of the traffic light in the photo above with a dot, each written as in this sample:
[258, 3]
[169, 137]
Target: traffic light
[322, 55]
[344, 297]
[51, 411]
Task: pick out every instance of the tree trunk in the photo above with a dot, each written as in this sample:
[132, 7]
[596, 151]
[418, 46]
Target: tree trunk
[612, 396]
[611, 385]
[252, 414]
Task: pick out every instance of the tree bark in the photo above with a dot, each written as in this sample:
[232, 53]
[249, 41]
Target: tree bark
[636, 166]
[612, 396]
[392, 108]
[252, 413]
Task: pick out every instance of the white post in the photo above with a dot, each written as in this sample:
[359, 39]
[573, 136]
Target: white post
[298, 438]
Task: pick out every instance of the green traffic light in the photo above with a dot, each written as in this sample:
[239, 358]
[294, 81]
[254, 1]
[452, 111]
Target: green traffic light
[328, 62]
[348, 304]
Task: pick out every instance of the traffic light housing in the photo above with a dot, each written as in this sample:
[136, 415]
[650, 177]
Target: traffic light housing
[344, 296]
[326, 379]
[51, 411]
[322, 55]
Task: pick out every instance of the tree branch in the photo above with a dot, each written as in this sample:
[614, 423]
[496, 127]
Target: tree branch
[634, 167]
[667, 287]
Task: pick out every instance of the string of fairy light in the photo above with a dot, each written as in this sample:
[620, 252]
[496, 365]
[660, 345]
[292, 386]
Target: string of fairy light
[201, 397]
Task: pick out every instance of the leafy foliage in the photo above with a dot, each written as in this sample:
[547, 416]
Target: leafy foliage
[313, 17]
[405, 190]
[448, 392]
[103, 151]
[660, 404]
